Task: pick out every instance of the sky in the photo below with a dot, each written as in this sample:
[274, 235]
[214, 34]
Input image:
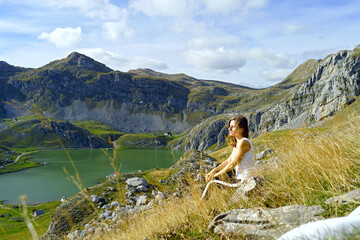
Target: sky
[255, 43]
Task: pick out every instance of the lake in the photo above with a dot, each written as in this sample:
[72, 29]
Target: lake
[50, 182]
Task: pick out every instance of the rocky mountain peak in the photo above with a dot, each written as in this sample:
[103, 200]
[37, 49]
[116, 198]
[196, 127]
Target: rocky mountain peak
[83, 61]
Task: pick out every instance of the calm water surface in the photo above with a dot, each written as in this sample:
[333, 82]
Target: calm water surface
[49, 182]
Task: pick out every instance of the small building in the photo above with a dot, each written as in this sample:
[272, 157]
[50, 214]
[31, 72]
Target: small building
[38, 212]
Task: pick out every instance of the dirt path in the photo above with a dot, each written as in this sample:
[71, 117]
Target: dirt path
[21, 155]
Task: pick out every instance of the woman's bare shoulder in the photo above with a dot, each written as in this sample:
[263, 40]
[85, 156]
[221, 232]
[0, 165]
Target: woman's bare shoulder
[243, 143]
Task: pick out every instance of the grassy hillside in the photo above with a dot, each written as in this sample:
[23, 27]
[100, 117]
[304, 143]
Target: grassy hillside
[314, 164]
[17, 228]
[142, 141]
[99, 129]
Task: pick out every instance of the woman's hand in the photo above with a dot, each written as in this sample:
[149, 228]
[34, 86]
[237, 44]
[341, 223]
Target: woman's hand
[209, 176]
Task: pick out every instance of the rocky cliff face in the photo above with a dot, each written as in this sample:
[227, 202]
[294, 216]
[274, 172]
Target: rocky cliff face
[52, 134]
[79, 88]
[6, 90]
[333, 84]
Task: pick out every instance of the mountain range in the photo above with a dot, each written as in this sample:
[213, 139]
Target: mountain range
[79, 88]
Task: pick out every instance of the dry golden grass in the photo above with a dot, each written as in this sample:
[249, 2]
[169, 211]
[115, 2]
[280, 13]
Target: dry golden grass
[311, 167]
[184, 218]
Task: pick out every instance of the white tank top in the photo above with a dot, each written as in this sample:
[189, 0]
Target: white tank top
[245, 169]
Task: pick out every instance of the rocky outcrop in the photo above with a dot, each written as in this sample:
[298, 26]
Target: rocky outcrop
[69, 214]
[69, 134]
[204, 135]
[347, 198]
[79, 88]
[7, 92]
[334, 85]
[50, 134]
[104, 213]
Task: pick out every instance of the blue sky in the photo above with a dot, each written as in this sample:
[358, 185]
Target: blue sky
[255, 43]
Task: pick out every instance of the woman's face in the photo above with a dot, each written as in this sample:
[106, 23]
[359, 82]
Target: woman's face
[234, 129]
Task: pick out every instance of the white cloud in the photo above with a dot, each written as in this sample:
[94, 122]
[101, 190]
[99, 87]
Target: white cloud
[214, 42]
[115, 31]
[273, 60]
[119, 62]
[64, 37]
[275, 75]
[16, 27]
[141, 62]
[226, 6]
[181, 12]
[168, 8]
[297, 29]
[219, 60]
[92, 8]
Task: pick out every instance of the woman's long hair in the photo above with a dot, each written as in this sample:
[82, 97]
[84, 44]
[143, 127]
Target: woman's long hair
[241, 122]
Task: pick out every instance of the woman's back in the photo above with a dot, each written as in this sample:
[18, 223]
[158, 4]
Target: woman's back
[245, 169]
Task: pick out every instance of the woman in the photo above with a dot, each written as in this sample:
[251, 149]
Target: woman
[242, 158]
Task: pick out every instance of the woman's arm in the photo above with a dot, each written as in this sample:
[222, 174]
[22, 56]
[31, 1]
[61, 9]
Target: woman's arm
[211, 174]
[235, 157]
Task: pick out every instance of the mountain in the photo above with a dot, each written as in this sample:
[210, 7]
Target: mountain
[33, 132]
[80, 88]
[6, 71]
[317, 89]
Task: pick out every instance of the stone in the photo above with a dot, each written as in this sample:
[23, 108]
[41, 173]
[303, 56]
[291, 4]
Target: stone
[141, 200]
[115, 203]
[128, 194]
[154, 193]
[262, 223]
[263, 154]
[106, 215]
[350, 197]
[136, 181]
[95, 198]
[142, 188]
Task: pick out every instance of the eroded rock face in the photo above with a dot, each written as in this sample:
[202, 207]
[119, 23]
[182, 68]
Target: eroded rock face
[264, 223]
[66, 216]
[333, 85]
[350, 197]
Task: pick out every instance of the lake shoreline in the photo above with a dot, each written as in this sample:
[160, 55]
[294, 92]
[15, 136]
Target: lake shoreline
[93, 165]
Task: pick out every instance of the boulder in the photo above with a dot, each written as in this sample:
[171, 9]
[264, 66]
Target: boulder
[350, 197]
[141, 188]
[95, 198]
[263, 154]
[136, 181]
[263, 223]
[141, 200]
